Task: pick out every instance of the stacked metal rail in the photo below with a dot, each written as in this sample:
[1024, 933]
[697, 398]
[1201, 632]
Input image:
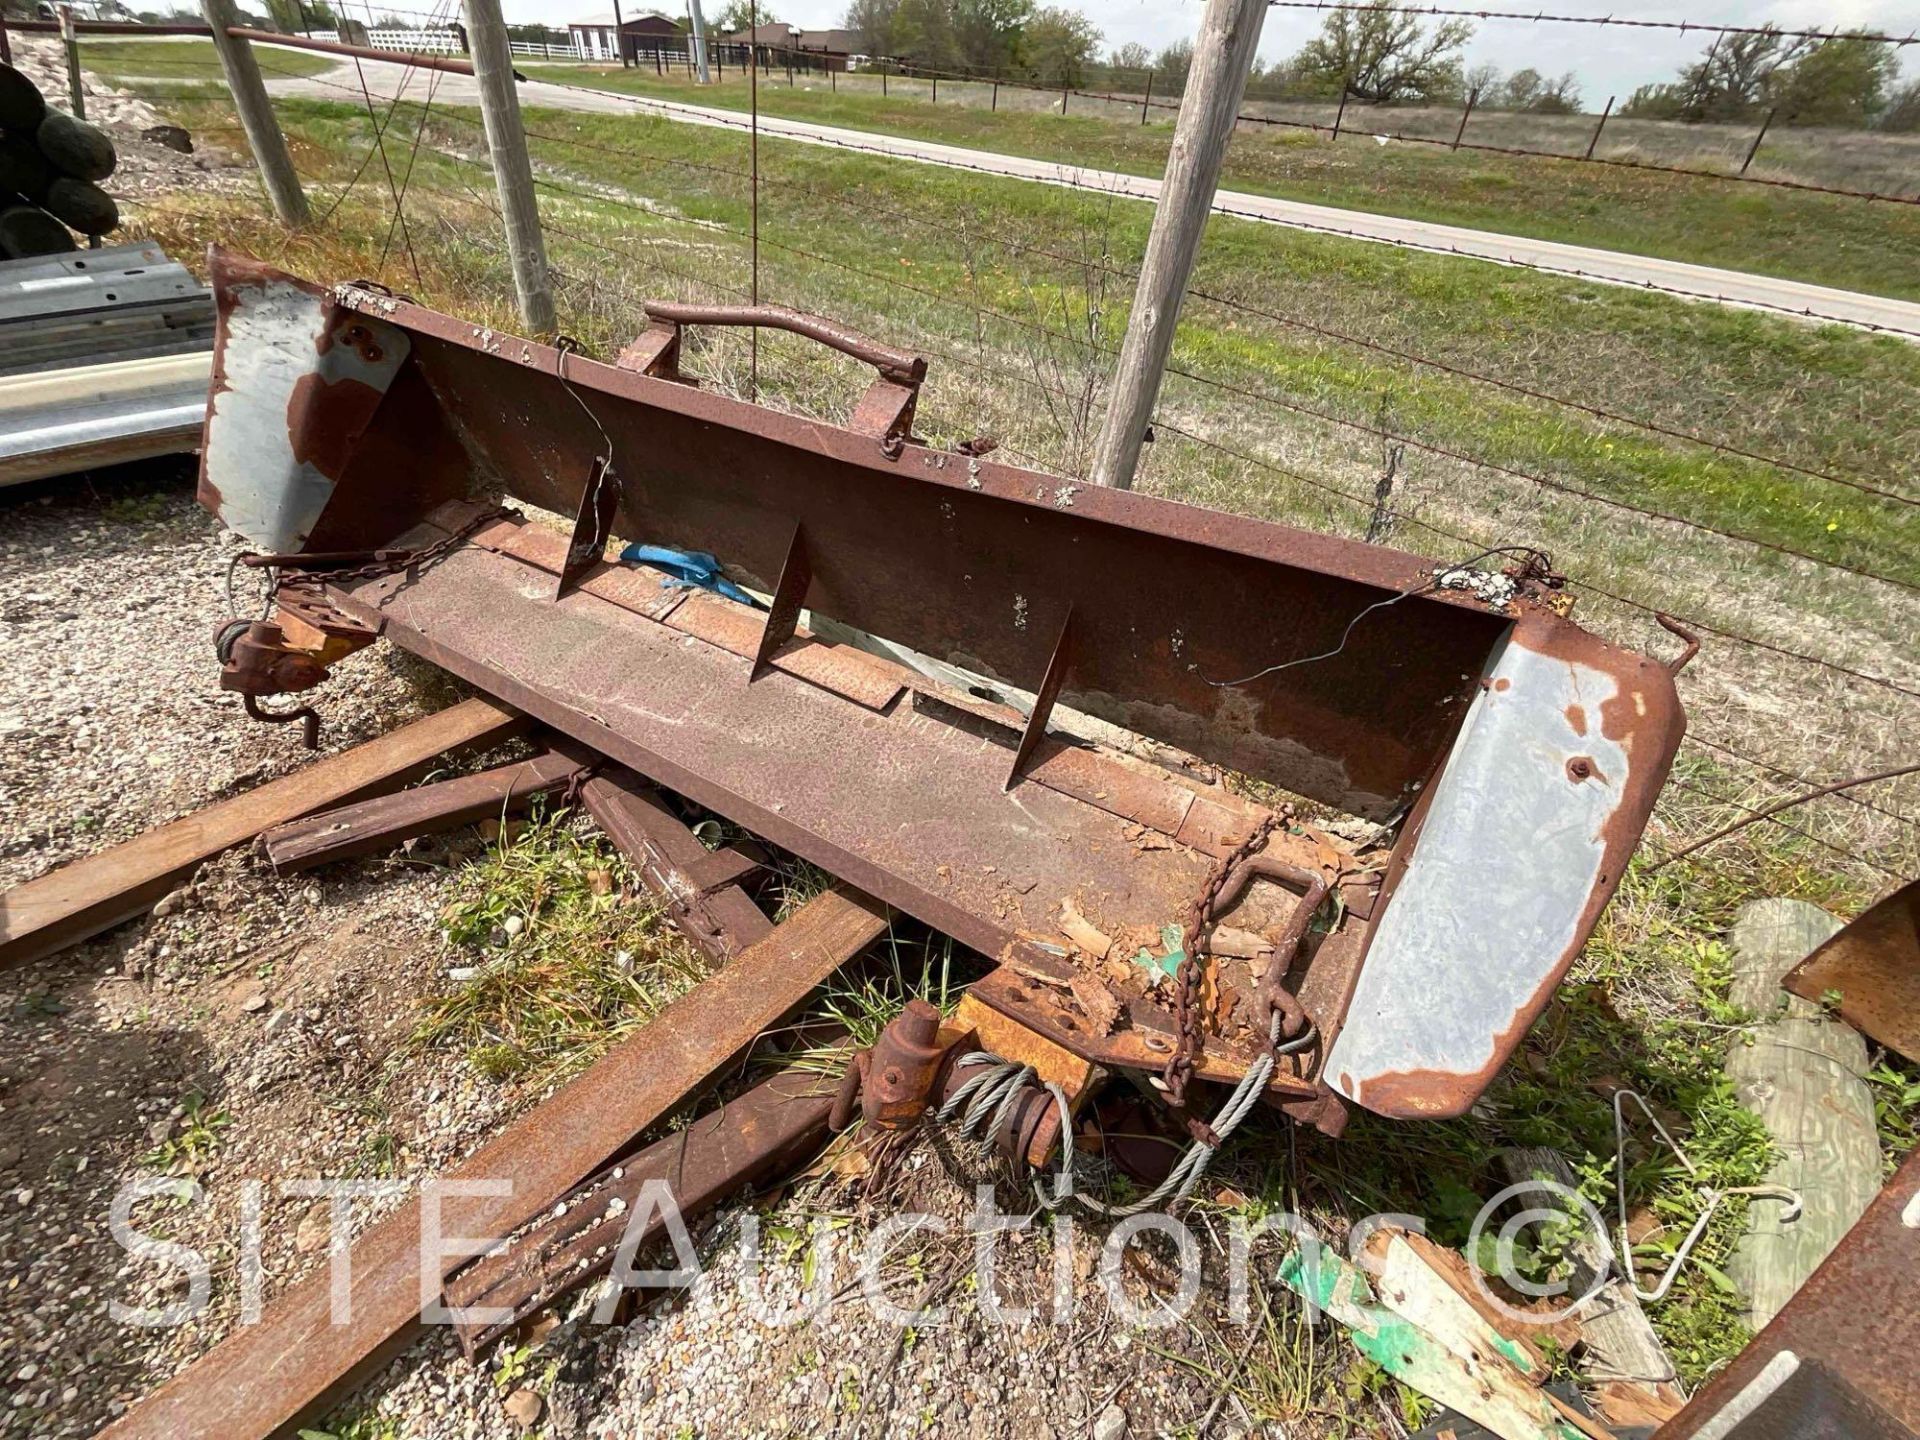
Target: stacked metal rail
[104, 357]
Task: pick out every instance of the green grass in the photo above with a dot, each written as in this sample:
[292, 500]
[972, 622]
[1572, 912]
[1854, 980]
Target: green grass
[1852, 244]
[189, 60]
[569, 958]
[805, 208]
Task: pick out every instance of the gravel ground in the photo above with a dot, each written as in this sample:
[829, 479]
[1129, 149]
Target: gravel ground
[270, 1020]
[146, 168]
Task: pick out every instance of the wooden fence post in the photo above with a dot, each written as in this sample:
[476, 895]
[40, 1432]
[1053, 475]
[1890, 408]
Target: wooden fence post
[1229, 35]
[1147, 99]
[70, 42]
[512, 169]
[1754, 149]
[1465, 115]
[1601, 126]
[249, 91]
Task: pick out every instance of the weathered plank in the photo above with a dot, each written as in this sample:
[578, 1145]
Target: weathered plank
[1462, 1362]
[82, 899]
[368, 826]
[1633, 1376]
[1803, 1074]
[700, 886]
[264, 1379]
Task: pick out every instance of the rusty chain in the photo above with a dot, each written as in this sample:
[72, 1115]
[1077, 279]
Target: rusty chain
[1188, 1012]
[376, 562]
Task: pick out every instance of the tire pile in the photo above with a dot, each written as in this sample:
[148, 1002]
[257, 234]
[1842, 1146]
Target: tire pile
[50, 164]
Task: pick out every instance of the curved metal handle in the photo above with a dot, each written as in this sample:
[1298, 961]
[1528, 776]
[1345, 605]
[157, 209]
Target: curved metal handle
[899, 366]
[1674, 627]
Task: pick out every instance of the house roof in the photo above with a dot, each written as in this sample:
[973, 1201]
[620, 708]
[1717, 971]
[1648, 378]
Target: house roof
[838, 42]
[605, 21]
[777, 32]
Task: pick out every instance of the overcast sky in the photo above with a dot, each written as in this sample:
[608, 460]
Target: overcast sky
[1607, 60]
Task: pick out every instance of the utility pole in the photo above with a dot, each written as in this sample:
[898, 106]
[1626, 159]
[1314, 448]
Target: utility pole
[256, 114]
[699, 40]
[619, 37]
[1229, 34]
[512, 170]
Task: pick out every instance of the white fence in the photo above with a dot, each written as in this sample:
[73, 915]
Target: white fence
[535, 51]
[429, 42]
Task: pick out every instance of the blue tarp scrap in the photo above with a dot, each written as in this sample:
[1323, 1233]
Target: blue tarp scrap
[686, 569]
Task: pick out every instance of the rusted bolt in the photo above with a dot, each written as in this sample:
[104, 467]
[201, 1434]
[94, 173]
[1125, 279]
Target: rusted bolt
[1157, 1045]
[1579, 768]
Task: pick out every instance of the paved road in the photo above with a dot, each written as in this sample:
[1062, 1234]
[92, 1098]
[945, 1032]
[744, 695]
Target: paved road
[1699, 282]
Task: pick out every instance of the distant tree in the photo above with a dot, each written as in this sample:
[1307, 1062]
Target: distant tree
[1843, 81]
[1173, 63]
[1902, 115]
[871, 21]
[1528, 89]
[1840, 81]
[1728, 82]
[291, 16]
[738, 15]
[1057, 46]
[1486, 82]
[1385, 56]
[987, 32]
[923, 33]
[1131, 56]
[1523, 87]
[1559, 97]
[536, 35]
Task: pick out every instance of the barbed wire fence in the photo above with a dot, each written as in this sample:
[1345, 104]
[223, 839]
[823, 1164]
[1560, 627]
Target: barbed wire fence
[1057, 355]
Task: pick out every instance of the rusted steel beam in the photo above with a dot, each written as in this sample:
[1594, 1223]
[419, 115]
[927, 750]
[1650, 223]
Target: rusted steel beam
[355, 52]
[1871, 971]
[1838, 1360]
[265, 1379]
[88, 896]
[382, 823]
[700, 887]
[773, 1128]
[109, 27]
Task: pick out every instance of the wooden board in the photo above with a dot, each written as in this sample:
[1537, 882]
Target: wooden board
[1802, 1074]
[1624, 1358]
[266, 1378]
[700, 886]
[368, 826]
[82, 899]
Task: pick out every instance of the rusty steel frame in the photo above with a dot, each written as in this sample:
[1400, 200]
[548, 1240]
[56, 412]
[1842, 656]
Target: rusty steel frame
[1838, 1360]
[1870, 972]
[1520, 754]
[771, 1129]
[265, 1379]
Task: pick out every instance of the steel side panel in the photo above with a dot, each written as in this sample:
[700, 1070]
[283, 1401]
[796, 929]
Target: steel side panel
[977, 563]
[294, 387]
[902, 804]
[1523, 841]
